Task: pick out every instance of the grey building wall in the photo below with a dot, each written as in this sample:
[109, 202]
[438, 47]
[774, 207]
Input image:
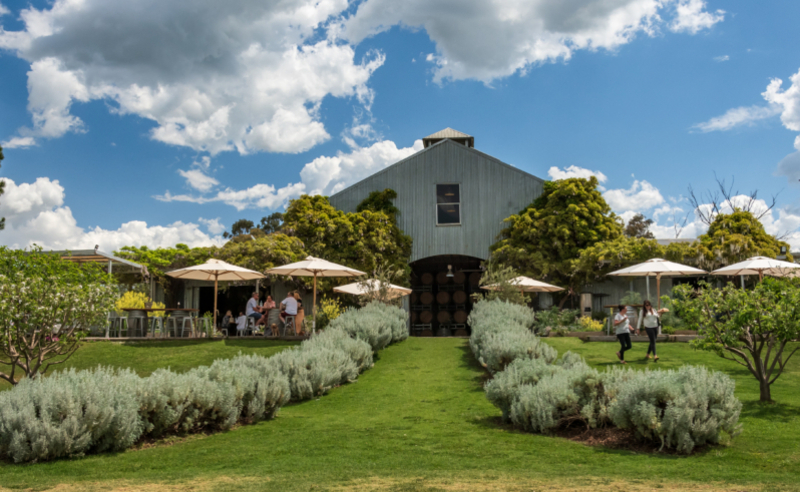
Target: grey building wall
[490, 192]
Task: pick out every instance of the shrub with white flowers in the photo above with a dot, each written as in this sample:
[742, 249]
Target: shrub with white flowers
[47, 305]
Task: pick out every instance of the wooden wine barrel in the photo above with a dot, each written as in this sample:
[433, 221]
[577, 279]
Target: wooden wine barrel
[442, 278]
[414, 316]
[426, 333]
[426, 317]
[459, 278]
[460, 333]
[460, 297]
[443, 317]
[414, 297]
[443, 332]
[460, 316]
[475, 278]
[427, 278]
[426, 298]
[443, 297]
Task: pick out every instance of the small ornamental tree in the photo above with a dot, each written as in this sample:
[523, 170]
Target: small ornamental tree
[500, 277]
[750, 327]
[46, 307]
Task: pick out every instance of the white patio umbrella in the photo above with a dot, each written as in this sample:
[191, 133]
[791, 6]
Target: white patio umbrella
[315, 267]
[660, 268]
[215, 270]
[760, 265]
[527, 284]
[372, 285]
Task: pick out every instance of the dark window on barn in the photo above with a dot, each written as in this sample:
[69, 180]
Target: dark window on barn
[448, 204]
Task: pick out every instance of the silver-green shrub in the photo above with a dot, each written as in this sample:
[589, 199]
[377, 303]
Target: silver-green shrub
[260, 390]
[504, 387]
[501, 348]
[679, 409]
[69, 413]
[313, 370]
[372, 327]
[358, 350]
[396, 317]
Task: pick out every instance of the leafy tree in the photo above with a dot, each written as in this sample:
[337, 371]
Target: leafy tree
[596, 261]
[241, 226]
[261, 252]
[639, 226]
[500, 277]
[2, 189]
[47, 306]
[362, 240]
[735, 237]
[272, 223]
[161, 260]
[749, 327]
[380, 201]
[546, 239]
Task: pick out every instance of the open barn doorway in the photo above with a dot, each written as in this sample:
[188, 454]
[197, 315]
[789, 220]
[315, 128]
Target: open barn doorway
[442, 294]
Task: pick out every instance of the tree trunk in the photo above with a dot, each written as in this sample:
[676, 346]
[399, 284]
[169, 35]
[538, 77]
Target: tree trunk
[765, 394]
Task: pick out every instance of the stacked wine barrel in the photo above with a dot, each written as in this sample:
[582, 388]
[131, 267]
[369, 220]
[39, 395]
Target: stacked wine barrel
[440, 304]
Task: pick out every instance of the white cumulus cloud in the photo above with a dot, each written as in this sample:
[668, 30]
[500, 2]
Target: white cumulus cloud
[639, 197]
[736, 117]
[35, 214]
[476, 39]
[18, 143]
[214, 76]
[214, 226]
[198, 180]
[325, 175]
[556, 173]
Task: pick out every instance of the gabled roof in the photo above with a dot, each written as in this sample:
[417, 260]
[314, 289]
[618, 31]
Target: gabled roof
[449, 133]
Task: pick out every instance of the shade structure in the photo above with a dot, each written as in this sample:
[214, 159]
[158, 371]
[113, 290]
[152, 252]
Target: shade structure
[658, 267]
[372, 285]
[760, 265]
[315, 267]
[527, 284]
[215, 270]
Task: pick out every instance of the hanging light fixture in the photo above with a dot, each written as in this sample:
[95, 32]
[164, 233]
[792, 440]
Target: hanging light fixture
[450, 271]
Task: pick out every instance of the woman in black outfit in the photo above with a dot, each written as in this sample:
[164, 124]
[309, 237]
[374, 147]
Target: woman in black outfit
[651, 319]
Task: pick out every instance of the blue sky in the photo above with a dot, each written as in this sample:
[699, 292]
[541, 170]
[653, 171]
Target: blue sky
[155, 123]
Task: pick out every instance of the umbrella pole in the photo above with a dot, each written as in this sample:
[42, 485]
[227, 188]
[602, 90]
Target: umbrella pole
[314, 307]
[647, 279]
[216, 278]
[658, 290]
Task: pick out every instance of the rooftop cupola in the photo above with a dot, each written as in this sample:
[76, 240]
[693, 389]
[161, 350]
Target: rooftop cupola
[449, 133]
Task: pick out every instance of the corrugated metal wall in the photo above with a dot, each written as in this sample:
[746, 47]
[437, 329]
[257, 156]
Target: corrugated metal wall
[490, 192]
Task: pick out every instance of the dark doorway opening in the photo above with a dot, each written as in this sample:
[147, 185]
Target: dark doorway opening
[442, 294]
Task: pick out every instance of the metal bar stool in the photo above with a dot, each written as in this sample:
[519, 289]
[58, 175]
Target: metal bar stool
[203, 325]
[172, 326]
[157, 322]
[190, 328]
[138, 326]
[289, 324]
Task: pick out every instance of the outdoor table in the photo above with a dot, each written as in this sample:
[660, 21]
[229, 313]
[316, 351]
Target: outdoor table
[174, 312]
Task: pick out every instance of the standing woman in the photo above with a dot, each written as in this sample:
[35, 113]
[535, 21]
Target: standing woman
[623, 332]
[651, 319]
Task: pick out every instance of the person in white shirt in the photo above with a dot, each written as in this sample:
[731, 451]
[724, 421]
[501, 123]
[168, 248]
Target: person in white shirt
[252, 309]
[288, 306]
[241, 323]
[623, 331]
[651, 319]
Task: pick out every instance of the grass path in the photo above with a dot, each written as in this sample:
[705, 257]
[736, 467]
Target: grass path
[419, 421]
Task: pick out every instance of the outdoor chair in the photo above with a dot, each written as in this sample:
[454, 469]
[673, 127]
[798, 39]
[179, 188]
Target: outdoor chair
[187, 325]
[157, 323]
[288, 327]
[172, 326]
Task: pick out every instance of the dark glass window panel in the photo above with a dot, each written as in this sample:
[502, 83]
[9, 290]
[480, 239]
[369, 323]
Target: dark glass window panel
[447, 194]
[448, 214]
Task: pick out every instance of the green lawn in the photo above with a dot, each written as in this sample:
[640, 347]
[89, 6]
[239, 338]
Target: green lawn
[419, 421]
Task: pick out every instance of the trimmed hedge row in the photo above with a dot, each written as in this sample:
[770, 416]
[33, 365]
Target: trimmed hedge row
[680, 409]
[72, 413]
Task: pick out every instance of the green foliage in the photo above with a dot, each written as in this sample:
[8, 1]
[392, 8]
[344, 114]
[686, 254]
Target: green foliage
[631, 298]
[671, 321]
[750, 327]
[500, 278]
[364, 240]
[382, 277]
[380, 201]
[596, 261]
[260, 253]
[557, 319]
[329, 310]
[272, 223]
[47, 305]
[639, 226]
[240, 227]
[377, 324]
[158, 261]
[735, 237]
[545, 240]
[587, 323]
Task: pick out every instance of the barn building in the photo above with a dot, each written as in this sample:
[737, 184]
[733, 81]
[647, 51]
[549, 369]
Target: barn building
[452, 200]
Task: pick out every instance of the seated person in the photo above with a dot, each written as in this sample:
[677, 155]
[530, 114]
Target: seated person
[241, 323]
[228, 322]
[269, 304]
[288, 306]
[252, 309]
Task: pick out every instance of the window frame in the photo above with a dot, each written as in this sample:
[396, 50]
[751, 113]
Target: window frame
[436, 205]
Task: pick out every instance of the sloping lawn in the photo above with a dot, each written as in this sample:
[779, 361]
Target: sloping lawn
[419, 421]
